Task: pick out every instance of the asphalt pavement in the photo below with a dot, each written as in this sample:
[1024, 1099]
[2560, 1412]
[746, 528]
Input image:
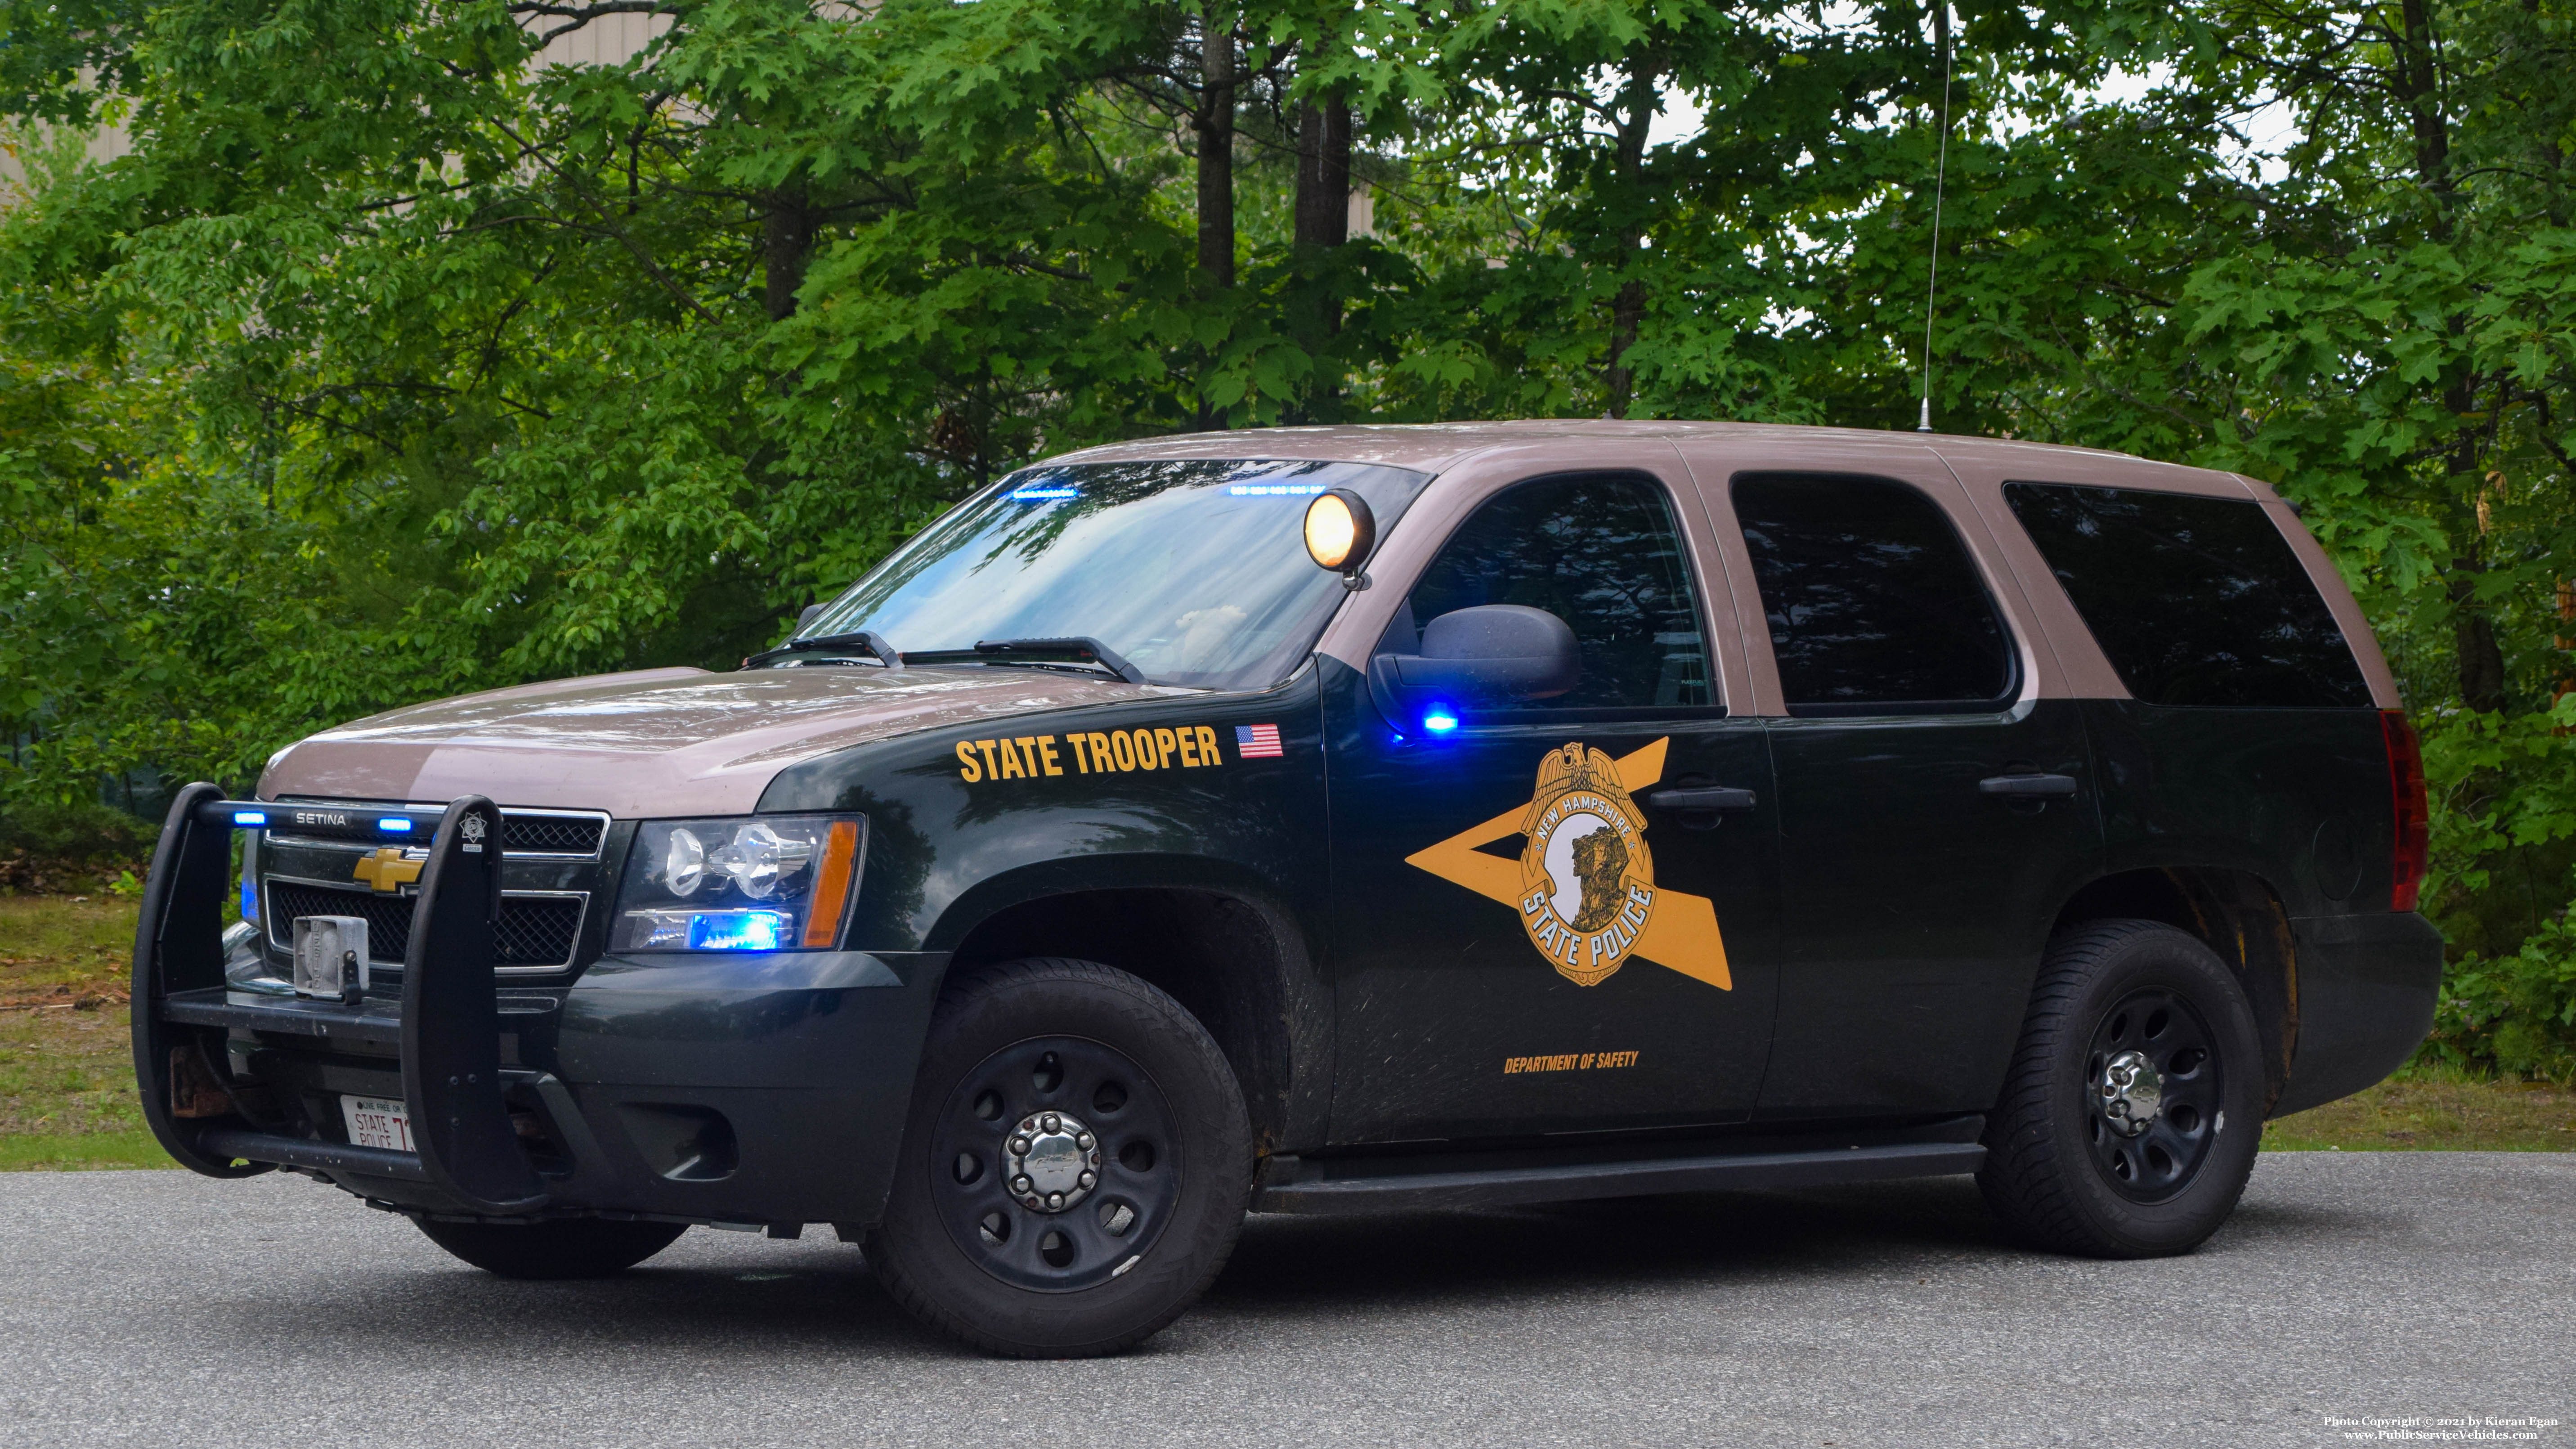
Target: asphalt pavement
[2391, 1289]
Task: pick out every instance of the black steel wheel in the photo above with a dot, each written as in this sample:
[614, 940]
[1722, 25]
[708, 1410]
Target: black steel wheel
[2133, 1108]
[2155, 1088]
[1075, 1166]
[1097, 1131]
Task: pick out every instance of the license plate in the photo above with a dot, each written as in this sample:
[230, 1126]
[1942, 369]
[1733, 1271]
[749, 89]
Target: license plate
[378, 1122]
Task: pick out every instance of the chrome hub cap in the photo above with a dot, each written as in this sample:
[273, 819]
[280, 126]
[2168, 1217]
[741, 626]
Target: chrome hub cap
[1051, 1161]
[2129, 1091]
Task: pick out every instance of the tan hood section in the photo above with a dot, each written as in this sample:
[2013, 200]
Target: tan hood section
[660, 742]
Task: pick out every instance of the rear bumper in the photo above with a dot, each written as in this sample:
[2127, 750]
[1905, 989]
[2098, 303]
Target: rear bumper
[2366, 989]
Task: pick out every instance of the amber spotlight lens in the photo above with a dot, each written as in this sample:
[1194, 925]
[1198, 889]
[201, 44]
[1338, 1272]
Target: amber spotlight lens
[1339, 530]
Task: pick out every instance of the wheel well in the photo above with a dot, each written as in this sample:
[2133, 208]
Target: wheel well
[2236, 914]
[1231, 962]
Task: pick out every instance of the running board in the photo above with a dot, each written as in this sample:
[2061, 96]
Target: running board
[1554, 1174]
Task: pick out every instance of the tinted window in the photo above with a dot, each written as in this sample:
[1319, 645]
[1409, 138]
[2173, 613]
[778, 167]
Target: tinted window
[2194, 600]
[1872, 600]
[1600, 553]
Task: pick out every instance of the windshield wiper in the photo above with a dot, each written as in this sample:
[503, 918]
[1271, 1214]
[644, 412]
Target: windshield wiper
[866, 641]
[1084, 650]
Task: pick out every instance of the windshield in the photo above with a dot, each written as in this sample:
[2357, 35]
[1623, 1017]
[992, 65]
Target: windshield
[1196, 571]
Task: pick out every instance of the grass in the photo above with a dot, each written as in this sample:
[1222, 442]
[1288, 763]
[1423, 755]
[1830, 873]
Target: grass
[66, 1056]
[67, 1073]
[2428, 1109]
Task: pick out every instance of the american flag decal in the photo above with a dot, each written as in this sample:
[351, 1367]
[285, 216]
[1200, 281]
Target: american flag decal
[1257, 742]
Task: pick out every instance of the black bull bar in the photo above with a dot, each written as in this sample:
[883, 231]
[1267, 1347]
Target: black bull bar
[450, 1035]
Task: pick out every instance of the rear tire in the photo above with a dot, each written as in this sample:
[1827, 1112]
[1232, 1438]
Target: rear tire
[2133, 1108]
[1075, 1168]
[557, 1248]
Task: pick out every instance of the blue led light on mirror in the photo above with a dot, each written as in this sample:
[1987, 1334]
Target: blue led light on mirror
[1439, 721]
[736, 930]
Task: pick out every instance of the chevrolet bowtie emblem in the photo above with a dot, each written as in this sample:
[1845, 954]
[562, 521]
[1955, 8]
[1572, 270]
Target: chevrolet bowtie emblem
[386, 870]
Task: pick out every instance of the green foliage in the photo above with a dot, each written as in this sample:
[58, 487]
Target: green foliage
[80, 834]
[390, 362]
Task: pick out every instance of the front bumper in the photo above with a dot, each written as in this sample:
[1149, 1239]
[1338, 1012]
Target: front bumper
[2367, 985]
[756, 1088]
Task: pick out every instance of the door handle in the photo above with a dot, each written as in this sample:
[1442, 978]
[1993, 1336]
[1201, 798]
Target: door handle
[1702, 797]
[2028, 787]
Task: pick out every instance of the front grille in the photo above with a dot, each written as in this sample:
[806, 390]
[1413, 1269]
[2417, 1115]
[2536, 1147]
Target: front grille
[522, 833]
[534, 931]
[553, 834]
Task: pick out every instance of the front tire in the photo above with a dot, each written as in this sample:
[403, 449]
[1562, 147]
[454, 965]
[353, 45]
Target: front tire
[1075, 1168]
[2133, 1109]
[554, 1249]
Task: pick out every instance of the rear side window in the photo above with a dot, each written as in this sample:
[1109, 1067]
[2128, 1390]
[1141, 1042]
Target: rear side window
[1873, 603]
[1601, 553]
[2196, 601]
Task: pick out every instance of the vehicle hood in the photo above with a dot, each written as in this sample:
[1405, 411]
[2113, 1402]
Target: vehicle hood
[657, 743]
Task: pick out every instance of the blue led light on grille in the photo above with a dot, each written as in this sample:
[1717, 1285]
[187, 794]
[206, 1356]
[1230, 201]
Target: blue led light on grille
[735, 930]
[394, 825]
[250, 819]
[1439, 721]
[1044, 493]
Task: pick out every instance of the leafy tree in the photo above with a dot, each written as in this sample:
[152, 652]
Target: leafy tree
[390, 361]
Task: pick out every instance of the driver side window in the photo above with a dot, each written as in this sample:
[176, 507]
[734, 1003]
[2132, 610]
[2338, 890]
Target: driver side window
[1601, 553]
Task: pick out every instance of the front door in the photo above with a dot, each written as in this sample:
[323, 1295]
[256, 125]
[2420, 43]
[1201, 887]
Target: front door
[1533, 934]
[1934, 808]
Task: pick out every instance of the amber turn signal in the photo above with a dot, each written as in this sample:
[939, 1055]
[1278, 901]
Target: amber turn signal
[1340, 530]
[832, 886]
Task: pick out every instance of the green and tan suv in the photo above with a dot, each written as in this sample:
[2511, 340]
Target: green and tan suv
[1339, 819]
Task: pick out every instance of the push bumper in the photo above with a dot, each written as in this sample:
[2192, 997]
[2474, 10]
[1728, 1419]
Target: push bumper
[2367, 985]
[766, 1088]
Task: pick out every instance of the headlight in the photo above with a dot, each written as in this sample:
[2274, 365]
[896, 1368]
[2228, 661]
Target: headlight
[761, 883]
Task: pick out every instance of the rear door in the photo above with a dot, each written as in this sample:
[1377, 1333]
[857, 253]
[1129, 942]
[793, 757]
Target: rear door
[1935, 806]
[1529, 935]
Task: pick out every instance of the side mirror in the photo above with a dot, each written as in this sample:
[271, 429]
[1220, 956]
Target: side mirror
[1489, 656]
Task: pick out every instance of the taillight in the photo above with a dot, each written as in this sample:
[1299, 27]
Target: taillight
[2406, 799]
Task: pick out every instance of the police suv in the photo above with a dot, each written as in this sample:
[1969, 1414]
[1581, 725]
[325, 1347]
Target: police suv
[1343, 819]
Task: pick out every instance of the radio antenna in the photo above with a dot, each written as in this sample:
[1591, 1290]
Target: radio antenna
[1940, 178]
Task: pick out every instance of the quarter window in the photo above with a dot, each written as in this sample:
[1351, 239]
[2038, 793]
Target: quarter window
[2195, 601]
[1873, 603]
[1601, 553]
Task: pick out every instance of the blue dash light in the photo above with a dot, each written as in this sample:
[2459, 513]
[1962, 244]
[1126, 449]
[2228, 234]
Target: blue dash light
[1029, 494]
[735, 930]
[250, 819]
[1439, 720]
[394, 825]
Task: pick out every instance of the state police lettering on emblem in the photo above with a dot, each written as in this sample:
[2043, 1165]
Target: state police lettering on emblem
[1587, 874]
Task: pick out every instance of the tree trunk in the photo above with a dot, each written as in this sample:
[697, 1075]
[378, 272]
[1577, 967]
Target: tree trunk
[1215, 125]
[787, 241]
[1628, 307]
[2473, 637]
[2418, 85]
[1324, 174]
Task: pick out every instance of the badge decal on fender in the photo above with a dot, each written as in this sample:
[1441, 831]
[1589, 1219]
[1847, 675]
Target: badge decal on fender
[1585, 883]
